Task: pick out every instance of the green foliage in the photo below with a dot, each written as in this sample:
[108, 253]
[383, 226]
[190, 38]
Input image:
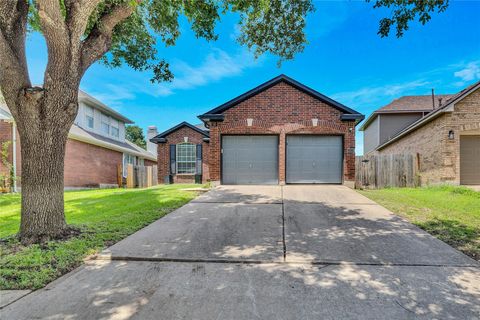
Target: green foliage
[450, 213]
[135, 134]
[403, 12]
[267, 26]
[104, 216]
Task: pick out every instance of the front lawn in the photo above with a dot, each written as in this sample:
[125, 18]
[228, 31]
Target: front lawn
[104, 216]
[450, 213]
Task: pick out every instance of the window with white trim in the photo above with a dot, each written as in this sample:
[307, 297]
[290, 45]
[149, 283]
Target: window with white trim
[186, 158]
[114, 128]
[89, 119]
[105, 125]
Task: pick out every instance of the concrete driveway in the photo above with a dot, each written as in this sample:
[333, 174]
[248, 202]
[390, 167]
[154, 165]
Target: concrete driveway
[258, 252]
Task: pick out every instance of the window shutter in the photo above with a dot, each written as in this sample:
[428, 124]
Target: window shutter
[173, 159]
[198, 167]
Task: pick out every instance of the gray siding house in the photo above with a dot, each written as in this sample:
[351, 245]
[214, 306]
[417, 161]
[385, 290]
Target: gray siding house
[386, 122]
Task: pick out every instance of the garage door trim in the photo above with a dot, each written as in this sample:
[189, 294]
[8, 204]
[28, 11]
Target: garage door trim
[316, 135]
[248, 135]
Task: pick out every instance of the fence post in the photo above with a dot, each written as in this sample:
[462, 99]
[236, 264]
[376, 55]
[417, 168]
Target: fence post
[119, 175]
[155, 175]
[390, 170]
[130, 176]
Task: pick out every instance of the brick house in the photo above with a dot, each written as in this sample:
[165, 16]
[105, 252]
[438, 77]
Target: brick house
[386, 122]
[95, 148]
[279, 132]
[447, 140]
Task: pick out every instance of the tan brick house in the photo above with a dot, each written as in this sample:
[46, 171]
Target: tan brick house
[95, 148]
[279, 132]
[447, 140]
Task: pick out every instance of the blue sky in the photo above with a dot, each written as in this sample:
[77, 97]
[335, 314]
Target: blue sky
[345, 59]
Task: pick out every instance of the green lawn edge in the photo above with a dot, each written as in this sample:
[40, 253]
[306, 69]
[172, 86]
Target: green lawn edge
[105, 216]
[450, 213]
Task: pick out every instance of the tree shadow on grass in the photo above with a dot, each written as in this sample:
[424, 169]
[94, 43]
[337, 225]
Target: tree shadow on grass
[462, 237]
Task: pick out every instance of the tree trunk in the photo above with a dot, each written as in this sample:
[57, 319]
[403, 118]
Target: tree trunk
[43, 136]
[43, 217]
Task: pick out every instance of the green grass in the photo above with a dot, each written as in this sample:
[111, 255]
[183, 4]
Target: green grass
[450, 213]
[104, 216]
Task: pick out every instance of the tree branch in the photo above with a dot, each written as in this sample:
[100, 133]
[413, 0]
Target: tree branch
[78, 14]
[13, 63]
[100, 39]
[55, 32]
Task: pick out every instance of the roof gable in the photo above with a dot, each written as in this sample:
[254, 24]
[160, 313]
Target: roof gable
[447, 107]
[162, 136]
[281, 78]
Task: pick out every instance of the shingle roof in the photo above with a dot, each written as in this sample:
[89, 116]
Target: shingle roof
[126, 146]
[415, 103]
[410, 104]
[432, 115]
[160, 138]
[349, 113]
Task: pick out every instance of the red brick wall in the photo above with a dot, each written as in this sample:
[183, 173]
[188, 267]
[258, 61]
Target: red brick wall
[149, 163]
[282, 110]
[164, 155]
[87, 165]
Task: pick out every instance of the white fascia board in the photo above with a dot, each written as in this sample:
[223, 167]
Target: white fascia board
[110, 146]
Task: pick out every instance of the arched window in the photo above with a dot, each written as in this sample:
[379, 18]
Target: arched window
[186, 158]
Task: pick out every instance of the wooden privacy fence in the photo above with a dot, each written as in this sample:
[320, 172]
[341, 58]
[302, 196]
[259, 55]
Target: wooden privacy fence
[141, 176]
[391, 170]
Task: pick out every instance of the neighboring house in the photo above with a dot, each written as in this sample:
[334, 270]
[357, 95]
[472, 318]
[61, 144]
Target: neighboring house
[279, 132]
[96, 145]
[447, 140]
[385, 123]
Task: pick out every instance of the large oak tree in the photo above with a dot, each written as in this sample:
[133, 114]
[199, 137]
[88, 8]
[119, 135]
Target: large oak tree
[79, 33]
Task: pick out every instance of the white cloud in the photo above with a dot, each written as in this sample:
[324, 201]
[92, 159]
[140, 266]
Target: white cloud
[113, 95]
[369, 96]
[470, 72]
[216, 66]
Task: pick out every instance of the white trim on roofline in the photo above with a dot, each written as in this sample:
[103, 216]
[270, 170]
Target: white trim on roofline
[447, 108]
[110, 146]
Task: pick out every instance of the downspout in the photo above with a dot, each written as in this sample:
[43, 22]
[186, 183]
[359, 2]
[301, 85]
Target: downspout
[14, 156]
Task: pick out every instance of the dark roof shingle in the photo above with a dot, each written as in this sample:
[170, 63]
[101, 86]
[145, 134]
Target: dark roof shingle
[414, 103]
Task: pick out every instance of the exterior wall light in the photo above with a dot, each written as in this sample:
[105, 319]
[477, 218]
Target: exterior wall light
[451, 135]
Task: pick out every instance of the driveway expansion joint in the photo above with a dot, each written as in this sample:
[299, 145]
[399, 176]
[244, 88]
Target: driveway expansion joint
[278, 262]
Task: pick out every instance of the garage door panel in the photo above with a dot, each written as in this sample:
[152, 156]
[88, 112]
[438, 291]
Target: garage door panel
[314, 159]
[470, 160]
[250, 160]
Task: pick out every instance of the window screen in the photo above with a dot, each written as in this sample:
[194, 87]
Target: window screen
[186, 158]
